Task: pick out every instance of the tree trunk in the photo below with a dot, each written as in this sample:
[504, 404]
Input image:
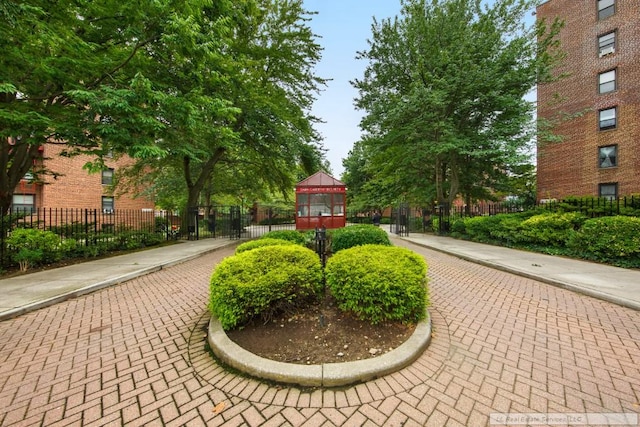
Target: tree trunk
[454, 180]
[439, 180]
[194, 188]
[16, 159]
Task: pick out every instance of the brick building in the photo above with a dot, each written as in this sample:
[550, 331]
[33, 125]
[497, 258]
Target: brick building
[599, 153]
[74, 187]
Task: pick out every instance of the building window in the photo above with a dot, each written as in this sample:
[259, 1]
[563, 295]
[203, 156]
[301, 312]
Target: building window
[607, 118]
[607, 44]
[608, 191]
[608, 156]
[606, 8]
[23, 203]
[607, 81]
[107, 204]
[107, 176]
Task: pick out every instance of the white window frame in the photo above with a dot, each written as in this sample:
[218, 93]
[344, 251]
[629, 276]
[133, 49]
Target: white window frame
[607, 81]
[608, 118]
[23, 202]
[107, 176]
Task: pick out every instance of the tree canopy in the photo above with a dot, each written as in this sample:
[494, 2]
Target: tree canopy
[444, 99]
[180, 86]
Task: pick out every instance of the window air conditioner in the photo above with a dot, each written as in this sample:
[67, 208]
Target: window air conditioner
[607, 50]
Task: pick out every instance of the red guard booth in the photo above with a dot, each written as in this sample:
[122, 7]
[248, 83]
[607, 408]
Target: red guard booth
[320, 201]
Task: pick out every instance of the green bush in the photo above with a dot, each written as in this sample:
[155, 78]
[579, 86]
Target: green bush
[501, 228]
[264, 282]
[507, 229]
[96, 249]
[457, 226]
[358, 235]
[608, 238]
[30, 247]
[551, 229]
[480, 228]
[379, 283]
[289, 235]
[69, 248]
[261, 243]
[435, 224]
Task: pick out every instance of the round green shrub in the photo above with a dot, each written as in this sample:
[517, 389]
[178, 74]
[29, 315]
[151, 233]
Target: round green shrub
[30, 247]
[358, 235]
[261, 243]
[264, 282]
[379, 283]
[289, 235]
[607, 238]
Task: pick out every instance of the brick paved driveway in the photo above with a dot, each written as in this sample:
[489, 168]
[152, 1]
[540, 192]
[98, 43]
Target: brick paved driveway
[135, 354]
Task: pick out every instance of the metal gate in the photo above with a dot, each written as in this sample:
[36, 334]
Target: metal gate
[400, 220]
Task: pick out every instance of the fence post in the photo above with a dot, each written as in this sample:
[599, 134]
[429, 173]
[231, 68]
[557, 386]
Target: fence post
[86, 227]
[236, 222]
[321, 242]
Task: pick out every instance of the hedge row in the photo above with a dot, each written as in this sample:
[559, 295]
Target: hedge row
[30, 247]
[611, 239]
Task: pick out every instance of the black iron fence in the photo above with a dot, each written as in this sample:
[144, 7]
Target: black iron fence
[591, 207]
[95, 231]
[235, 222]
[89, 228]
[404, 218]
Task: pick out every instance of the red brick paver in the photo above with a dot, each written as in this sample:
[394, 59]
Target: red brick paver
[135, 354]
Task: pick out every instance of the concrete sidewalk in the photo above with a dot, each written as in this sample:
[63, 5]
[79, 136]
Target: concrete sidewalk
[613, 284]
[32, 291]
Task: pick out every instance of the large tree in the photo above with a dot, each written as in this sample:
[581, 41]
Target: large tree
[263, 77]
[178, 85]
[64, 58]
[443, 95]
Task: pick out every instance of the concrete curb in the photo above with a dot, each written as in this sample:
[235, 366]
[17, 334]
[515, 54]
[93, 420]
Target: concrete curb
[324, 375]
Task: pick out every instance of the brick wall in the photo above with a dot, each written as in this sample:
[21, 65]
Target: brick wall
[76, 188]
[571, 167]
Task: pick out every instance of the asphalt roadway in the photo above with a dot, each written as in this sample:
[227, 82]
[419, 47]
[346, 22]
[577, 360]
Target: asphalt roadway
[121, 341]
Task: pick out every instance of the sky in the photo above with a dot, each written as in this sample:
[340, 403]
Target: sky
[344, 27]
